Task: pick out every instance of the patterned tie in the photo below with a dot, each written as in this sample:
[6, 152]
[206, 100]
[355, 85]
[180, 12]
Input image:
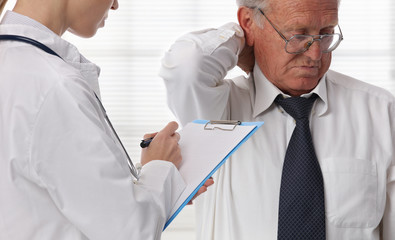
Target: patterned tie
[302, 204]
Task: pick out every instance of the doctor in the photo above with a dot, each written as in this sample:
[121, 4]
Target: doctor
[63, 172]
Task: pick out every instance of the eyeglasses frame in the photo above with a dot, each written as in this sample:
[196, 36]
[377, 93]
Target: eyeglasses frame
[314, 37]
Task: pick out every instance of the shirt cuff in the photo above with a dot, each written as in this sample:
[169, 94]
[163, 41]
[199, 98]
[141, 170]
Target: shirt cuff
[164, 181]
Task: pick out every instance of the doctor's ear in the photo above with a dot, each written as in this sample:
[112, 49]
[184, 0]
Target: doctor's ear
[245, 16]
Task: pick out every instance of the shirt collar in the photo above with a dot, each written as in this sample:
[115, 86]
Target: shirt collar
[17, 24]
[266, 92]
[16, 18]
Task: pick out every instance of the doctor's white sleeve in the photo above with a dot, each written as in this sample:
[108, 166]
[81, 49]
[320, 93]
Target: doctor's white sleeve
[194, 69]
[82, 167]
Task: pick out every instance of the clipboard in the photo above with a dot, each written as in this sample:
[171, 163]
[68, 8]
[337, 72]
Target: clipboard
[205, 147]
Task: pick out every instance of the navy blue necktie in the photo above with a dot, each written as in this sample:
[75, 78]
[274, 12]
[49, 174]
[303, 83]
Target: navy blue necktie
[302, 204]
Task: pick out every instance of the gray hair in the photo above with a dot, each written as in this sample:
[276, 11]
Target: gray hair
[258, 3]
[262, 4]
[251, 3]
[255, 4]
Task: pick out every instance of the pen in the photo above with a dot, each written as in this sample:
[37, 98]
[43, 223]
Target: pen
[145, 142]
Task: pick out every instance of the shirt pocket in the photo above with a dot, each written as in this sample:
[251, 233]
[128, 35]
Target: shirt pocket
[351, 192]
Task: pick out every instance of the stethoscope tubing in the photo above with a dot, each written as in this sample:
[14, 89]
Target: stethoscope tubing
[135, 172]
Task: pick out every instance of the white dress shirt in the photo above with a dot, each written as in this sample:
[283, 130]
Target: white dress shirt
[63, 174]
[352, 125]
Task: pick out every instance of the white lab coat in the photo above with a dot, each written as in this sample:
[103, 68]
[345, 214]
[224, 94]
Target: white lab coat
[63, 175]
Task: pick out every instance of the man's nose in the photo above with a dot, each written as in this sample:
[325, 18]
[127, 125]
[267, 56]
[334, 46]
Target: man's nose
[314, 51]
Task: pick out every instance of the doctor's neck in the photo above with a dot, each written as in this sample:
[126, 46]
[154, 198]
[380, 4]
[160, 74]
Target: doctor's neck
[51, 14]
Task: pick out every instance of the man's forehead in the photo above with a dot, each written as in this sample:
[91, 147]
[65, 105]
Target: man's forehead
[303, 5]
[304, 11]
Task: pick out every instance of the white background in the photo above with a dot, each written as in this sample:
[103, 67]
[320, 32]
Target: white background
[130, 48]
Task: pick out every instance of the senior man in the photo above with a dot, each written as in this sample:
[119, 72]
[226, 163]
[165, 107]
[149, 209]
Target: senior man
[323, 164]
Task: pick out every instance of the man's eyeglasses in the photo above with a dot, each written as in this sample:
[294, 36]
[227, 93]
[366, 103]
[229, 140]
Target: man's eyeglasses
[301, 43]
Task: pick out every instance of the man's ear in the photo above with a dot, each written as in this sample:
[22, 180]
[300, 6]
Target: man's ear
[245, 16]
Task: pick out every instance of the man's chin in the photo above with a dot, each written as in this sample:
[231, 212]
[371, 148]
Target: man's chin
[302, 86]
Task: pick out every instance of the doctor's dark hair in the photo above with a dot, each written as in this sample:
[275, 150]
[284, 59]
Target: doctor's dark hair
[2, 4]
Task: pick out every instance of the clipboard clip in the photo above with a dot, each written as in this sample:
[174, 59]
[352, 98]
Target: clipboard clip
[210, 124]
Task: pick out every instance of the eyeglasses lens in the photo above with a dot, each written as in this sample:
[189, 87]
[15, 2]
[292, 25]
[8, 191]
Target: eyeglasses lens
[301, 43]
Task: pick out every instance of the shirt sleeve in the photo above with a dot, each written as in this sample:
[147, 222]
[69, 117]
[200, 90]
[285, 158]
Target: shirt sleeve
[194, 69]
[82, 167]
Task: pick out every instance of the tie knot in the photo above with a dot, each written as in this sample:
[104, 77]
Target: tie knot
[297, 107]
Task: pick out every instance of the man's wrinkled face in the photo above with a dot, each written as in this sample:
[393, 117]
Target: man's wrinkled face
[294, 74]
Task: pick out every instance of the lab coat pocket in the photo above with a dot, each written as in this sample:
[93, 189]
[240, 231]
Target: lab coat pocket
[351, 192]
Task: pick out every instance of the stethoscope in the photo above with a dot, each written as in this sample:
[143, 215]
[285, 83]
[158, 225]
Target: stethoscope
[133, 170]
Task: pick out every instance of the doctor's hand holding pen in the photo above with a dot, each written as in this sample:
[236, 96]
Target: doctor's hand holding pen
[163, 145]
